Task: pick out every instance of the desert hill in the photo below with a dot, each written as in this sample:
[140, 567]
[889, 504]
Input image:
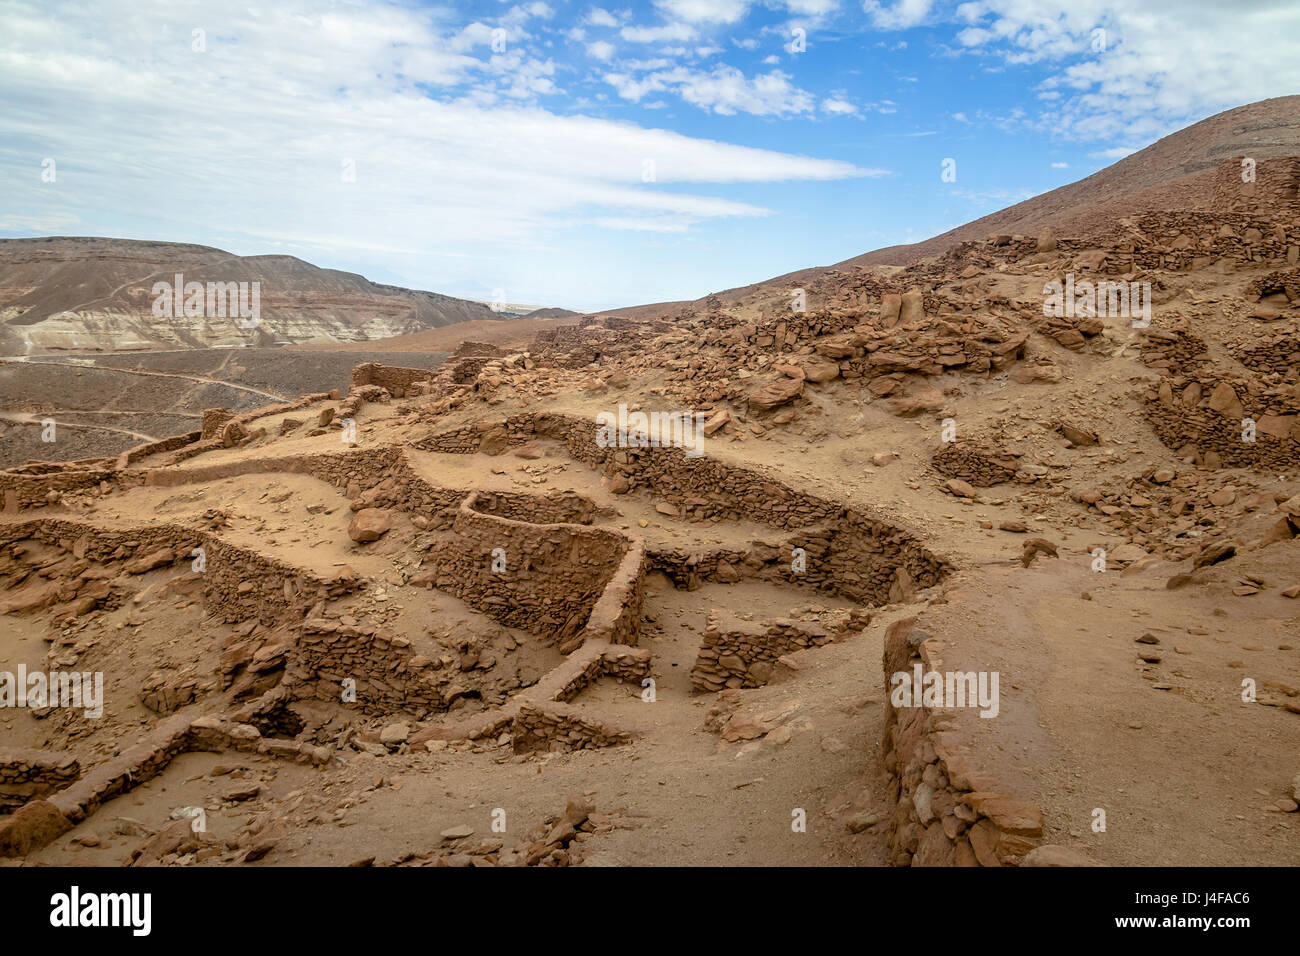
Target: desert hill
[85, 294]
[1176, 171]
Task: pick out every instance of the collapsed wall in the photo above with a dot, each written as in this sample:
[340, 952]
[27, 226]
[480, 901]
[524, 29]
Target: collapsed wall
[238, 584]
[736, 653]
[396, 380]
[30, 774]
[1222, 419]
[846, 551]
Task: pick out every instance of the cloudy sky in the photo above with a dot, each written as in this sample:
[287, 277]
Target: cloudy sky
[592, 156]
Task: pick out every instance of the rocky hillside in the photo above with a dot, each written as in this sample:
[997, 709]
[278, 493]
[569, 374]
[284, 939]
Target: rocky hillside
[1174, 172]
[71, 293]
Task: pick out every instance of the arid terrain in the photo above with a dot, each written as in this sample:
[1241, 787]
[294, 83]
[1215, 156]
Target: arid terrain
[468, 609]
[65, 294]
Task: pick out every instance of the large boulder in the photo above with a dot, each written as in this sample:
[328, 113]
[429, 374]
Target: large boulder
[30, 827]
[777, 393]
[913, 306]
[369, 524]
[890, 305]
[1224, 400]
[819, 370]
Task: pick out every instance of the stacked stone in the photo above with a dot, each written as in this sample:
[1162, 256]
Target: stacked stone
[624, 663]
[1271, 355]
[862, 558]
[238, 584]
[981, 467]
[141, 761]
[557, 507]
[396, 380]
[737, 653]
[1175, 349]
[689, 569]
[1285, 282]
[947, 811]
[27, 491]
[553, 574]
[1194, 240]
[1072, 332]
[27, 774]
[1276, 185]
[616, 615]
[214, 419]
[140, 452]
[557, 727]
[58, 467]
[1215, 440]
[390, 677]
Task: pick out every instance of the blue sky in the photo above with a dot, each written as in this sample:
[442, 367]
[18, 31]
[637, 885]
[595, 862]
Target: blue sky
[589, 155]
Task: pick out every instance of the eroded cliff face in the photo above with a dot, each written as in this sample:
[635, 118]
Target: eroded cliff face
[80, 294]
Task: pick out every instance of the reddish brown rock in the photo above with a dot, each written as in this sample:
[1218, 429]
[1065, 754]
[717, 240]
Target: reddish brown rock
[369, 524]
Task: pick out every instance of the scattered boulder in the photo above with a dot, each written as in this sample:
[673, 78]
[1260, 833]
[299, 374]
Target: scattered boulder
[369, 524]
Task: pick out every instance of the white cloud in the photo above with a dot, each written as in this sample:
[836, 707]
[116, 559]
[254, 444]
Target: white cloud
[672, 31]
[1159, 64]
[704, 11]
[724, 89]
[598, 17]
[1117, 152]
[838, 106]
[247, 140]
[49, 222]
[811, 8]
[901, 16]
[601, 50]
[1060, 165]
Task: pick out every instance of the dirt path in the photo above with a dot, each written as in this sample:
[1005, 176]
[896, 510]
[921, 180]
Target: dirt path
[30, 418]
[197, 379]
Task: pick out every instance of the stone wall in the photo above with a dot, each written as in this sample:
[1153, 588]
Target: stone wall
[948, 811]
[1215, 440]
[1189, 240]
[560, 727]
[737, 653]
[27, 774]
[41, 821]
[395, 379]
[389, 676]
[553, 574]
[847, 552]
[1271, 354]
[981, 467]
[566, 507]
[214, 419]
[140, 452]
[1276, 187]
[238, 584]
[26, 491]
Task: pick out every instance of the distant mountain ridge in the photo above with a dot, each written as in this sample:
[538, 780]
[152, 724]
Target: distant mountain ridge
[90, 293]
[1176, 171]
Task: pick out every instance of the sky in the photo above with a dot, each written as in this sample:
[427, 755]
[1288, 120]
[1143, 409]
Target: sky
[565, 153]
